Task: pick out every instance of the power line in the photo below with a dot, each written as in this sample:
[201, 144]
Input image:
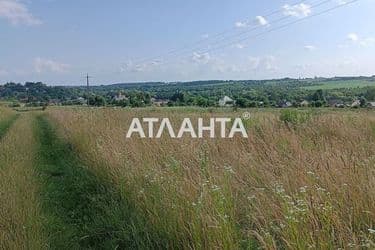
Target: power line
[253, 29]
[275, 29]
[173, 51]
[270, 23]
[88, 88]
[284, 26]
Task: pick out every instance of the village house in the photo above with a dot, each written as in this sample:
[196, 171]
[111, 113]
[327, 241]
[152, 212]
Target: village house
[120, 97]
[81, 100]
[53, 102]
[304, 103]
[159, 102]
[356, 104]
[340, 105]
[284, 104]
[335, 103]
[226, 101]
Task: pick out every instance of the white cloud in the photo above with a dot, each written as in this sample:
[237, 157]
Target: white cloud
[258, 21]
[17, 13]
[263, 63]
[367, 42]
[240, 24]
[156, 62]
[203, 58]
[130, 66]
[42, 65]
[205, 36]
[254, 62]
[239, 46]
[298, 10]
[341, 2]
[269, 63]
[353, 37]
[309, 47]
[363, 42]
[261, 21]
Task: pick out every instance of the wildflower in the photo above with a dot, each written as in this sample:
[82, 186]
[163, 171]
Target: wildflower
[303, 189]
[351, 245]
[279, 189]
[252, 197]
[229, 169]
[215, 188]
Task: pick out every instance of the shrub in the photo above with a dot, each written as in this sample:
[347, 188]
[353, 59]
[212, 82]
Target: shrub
[14, 105]
[294, 117]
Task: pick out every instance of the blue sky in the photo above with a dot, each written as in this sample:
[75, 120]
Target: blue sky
[58, 41]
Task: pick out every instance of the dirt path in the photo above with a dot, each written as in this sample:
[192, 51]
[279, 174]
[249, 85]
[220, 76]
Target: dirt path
[50, 200]
[20, 220]
[7, 123]
[82, 212]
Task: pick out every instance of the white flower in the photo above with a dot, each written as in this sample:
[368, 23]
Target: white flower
[303, 189]
[215, 188]
[229, 169]
[279, 189]
[252, 197]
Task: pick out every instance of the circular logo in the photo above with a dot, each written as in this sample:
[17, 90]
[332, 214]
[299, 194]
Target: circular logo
[246, 115]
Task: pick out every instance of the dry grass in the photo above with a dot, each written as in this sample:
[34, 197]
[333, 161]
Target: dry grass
[20, 225]
[304, 186]
[5, 113]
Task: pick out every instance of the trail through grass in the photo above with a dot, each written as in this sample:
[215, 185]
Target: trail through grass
[82, 211]
[6, 124]
[20, 221]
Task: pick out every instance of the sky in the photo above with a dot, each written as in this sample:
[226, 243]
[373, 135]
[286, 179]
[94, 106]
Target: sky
[115, 41]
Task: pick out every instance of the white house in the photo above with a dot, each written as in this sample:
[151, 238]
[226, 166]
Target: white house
[284, 104]
[80, 100]
[159, 102]
[120, 97]
[304, 103]
[356, 104]
[226, 101]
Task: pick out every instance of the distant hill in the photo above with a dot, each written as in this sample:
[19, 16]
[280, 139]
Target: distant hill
[247, 93]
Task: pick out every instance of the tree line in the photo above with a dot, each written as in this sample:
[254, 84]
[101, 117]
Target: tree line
[265, 93]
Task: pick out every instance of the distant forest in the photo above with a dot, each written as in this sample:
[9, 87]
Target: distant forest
[316, 92]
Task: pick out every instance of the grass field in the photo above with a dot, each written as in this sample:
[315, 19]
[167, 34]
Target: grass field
[71, 180]
[341, 84]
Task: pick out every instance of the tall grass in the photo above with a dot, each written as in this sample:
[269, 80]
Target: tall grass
[7, 117]
[307, 187]
[20, 221]
[82, 211]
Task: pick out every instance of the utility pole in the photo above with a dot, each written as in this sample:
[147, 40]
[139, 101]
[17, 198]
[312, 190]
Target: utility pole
[88, 88]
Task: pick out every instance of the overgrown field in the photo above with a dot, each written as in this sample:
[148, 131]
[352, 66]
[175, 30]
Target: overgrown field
[302, 180]
[341, 84]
